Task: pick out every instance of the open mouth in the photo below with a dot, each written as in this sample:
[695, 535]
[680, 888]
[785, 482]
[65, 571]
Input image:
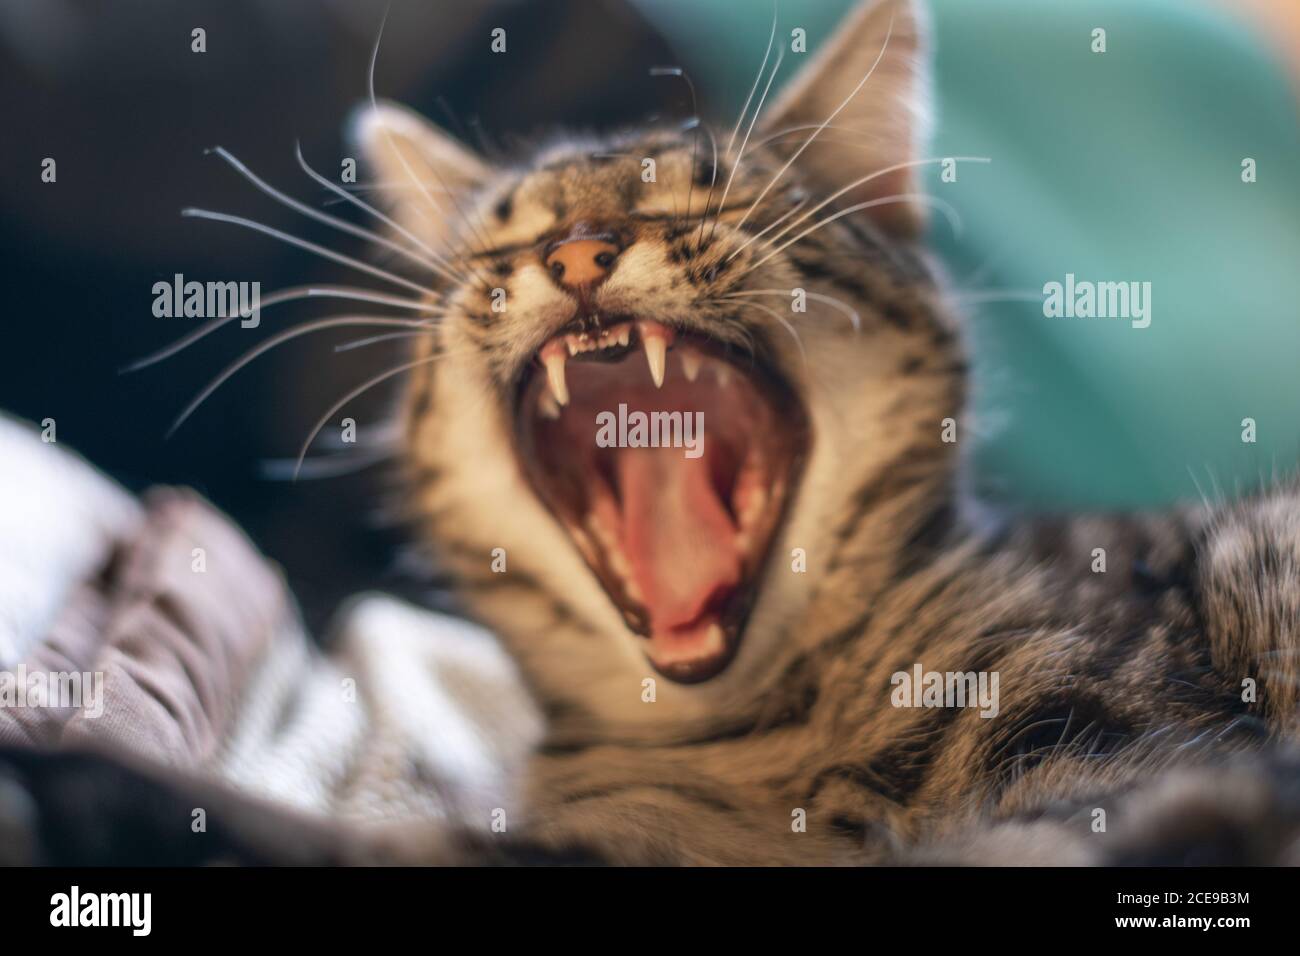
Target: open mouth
[670, 464]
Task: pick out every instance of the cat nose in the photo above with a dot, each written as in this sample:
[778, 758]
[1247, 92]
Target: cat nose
[582, 262]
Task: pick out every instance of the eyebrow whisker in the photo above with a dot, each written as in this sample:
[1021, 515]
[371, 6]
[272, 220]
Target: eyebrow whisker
[443, 262]
[332, 221]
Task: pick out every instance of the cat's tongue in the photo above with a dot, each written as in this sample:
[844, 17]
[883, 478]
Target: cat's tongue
[681, 544]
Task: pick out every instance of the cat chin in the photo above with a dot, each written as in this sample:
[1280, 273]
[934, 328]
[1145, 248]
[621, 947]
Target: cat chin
[669, 461]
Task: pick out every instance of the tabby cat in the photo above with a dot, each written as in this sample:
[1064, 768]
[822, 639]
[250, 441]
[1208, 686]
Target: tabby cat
[721, 640]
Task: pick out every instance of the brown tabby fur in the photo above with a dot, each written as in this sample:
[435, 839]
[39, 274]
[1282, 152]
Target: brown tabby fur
[1120, 691]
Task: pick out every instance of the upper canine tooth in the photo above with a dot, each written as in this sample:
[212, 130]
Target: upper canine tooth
[690, 364]
[547, 406]
[552, 356]
[656, 339]
[655, 350]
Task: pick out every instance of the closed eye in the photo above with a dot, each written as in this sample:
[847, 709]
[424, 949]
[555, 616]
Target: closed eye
[496, 251]
[662, 216]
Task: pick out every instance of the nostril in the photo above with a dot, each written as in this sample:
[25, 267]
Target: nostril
[581, 262]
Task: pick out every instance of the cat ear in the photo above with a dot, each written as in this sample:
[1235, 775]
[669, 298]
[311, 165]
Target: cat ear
[873, 121]
[423, 172]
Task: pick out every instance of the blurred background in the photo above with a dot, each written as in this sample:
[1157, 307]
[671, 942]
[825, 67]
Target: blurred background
[1117, 166]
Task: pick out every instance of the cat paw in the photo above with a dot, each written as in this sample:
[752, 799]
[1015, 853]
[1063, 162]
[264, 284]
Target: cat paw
[1245, 813]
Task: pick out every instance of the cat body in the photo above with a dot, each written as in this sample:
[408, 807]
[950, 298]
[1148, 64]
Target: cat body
[1141, 710]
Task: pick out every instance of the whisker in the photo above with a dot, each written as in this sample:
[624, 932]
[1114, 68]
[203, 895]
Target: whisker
[278, 339]
[374, 105]
[323, 466]
[693, 123]
[808, 142]
[309, 246]
[713, 181]
[376, 339]
[735, 166]
[333, 221]
[997, 295]
[785, 324]
[953, 218]
[863, 138]
[758, 235]
[817, 296]
[275, 298]
[854, 185]
[771, 40]
[354, 393]
[440, 264]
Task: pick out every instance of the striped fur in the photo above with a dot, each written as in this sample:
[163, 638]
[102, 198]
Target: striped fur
[1120, 691]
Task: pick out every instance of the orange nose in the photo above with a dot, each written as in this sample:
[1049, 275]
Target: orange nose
[582, 262]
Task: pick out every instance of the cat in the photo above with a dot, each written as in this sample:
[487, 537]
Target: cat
[720, 643]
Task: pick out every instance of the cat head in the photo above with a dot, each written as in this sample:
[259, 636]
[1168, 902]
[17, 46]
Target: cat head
[750, 300]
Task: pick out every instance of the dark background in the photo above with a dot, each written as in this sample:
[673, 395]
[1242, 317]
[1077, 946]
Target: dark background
[115, 95]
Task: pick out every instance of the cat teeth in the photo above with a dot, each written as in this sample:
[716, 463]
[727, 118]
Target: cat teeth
[552, 356]
[691, 362]
[607, 338]
[547, 407]
[715, 638]
[655, 339]
[655, 352]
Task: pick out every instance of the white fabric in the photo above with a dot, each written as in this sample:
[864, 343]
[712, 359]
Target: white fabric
[408, 714]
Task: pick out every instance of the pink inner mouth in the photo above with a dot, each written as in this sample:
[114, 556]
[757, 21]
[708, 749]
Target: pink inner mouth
[676, 533]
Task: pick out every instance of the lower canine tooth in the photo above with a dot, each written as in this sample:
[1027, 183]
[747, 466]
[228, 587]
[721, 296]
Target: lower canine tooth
[547, 406]
[690, 365]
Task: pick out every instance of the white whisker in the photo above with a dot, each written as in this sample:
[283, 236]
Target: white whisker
[376, 339]
[735, 166]
[953, 219]
[275, 298]
[863, 138]
[771, 40]
[359, 390]
[713, 181]
[332, 221]
[998, 295]
[785, 324]
[279, 338]
[374, 106]
[440, 264]
[816, 296]
[854, 185]
[808, 142]
[309, 246]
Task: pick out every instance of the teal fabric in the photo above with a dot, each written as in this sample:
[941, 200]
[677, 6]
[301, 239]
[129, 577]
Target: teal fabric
[1118, 166]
